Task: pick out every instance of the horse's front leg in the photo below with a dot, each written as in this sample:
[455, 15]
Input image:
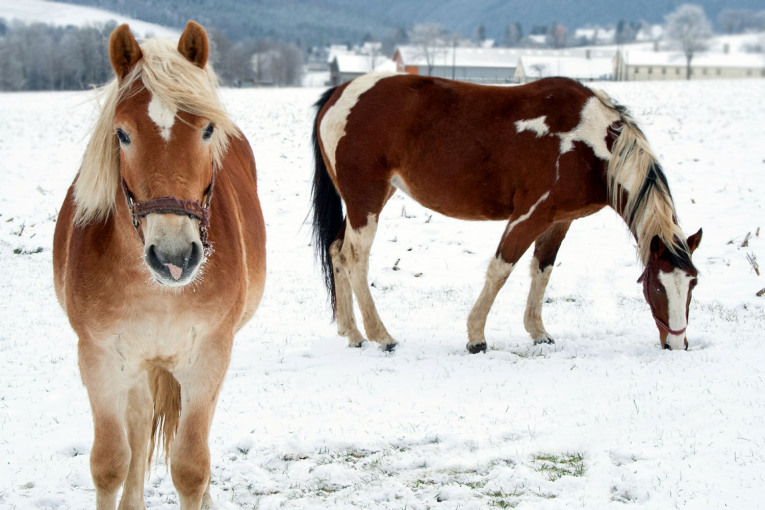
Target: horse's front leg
[545, 251]
[102, 374]
[200, 384]
[524, 226]
[138, 417]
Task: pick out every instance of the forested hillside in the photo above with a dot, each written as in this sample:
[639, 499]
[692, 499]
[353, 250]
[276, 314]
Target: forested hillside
[309, 22]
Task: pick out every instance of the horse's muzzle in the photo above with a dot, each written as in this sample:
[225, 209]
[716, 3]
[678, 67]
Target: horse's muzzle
[174, 267]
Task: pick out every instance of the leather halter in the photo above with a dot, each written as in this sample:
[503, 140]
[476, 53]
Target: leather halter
[644, 278]
[173, 205]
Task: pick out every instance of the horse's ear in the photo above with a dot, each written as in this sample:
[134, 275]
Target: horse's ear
[694, 241]
[657, 246]
[124, 51]
[194, 44]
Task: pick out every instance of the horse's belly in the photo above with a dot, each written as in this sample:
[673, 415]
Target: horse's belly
[458, 200]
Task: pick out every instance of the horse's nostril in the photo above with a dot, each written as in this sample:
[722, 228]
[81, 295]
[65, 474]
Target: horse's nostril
[153, 257]
[195, 255]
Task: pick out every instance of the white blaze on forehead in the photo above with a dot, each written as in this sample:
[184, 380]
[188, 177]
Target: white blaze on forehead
[163, 116]
[332, 127]
[538, 125]
[592, 129]
[676, 285]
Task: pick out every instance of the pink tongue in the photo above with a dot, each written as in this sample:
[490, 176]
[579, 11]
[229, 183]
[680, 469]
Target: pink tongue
[175, 271]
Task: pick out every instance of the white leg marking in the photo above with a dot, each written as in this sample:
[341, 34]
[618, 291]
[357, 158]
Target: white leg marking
[356, 248]
[496, 276]
[526, 216]
[538, 125]
[332, 127]
[676, 285]
[592, 129]
[346, 322]
[532, 318]
[163, 116]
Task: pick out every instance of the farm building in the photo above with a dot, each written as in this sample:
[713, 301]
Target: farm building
[345, 67]
[496, 65]
[532, 68]
[671, 65]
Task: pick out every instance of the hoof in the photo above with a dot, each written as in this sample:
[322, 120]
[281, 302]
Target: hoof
[476, 348]
[356, 345]
[544, 340]
[389, 347]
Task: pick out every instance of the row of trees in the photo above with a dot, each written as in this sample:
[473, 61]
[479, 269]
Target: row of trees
[38, 56]
[556, 35]
[44, 57]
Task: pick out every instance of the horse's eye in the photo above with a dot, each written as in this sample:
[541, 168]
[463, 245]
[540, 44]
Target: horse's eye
[208, 132]
[123, 137]
[659, 290]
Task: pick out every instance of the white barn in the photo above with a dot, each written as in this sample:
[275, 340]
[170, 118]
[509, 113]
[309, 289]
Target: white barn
[671, 65]
[480, 65]
[532, 68]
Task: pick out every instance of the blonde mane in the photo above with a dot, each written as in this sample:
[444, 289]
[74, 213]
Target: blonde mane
[648, 209]
[167, 75]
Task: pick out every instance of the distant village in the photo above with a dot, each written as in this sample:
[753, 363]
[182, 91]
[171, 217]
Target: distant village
[650, 56]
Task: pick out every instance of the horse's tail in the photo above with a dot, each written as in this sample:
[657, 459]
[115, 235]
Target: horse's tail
[166, 394]
[327, 207]
[648, 207]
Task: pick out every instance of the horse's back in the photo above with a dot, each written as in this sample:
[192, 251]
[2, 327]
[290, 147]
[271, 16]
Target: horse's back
[460, 149]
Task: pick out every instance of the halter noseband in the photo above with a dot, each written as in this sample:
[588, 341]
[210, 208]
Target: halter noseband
[644, 278]
[172, 205]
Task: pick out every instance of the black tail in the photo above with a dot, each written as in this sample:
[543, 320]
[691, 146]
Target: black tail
[327, 207]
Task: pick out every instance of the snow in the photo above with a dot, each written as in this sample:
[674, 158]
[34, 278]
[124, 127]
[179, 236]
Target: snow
[601, 419]
[58, 13]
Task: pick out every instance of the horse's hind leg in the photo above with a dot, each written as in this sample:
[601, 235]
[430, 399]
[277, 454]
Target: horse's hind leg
[138, 418]
[524, 226]
[545, 251]
[355, 258]
[346, 322]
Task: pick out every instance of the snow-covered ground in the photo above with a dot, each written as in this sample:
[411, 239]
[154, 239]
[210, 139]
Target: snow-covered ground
[59, 13]
[603, 418]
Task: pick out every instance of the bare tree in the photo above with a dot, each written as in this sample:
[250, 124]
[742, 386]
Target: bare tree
[734, 21]
[430, 39]
[539, 69]
[689, 28]
[558, 36]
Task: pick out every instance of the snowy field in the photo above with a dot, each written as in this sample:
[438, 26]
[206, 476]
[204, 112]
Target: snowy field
[61, 14]
[603, 418]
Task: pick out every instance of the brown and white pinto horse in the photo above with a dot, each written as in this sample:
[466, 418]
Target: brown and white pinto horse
[539, 155]
[156, 310]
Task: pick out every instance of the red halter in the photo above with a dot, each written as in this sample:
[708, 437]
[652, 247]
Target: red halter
[172, 205]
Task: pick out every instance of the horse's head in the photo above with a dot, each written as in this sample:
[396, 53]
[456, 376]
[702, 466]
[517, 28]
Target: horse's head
[166, 156]
[668, 282]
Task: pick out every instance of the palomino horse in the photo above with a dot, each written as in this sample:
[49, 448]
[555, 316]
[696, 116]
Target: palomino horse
[159, 258]
[539, 155]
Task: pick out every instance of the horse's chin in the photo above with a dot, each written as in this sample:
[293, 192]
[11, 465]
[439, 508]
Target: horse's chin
[167, 282]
